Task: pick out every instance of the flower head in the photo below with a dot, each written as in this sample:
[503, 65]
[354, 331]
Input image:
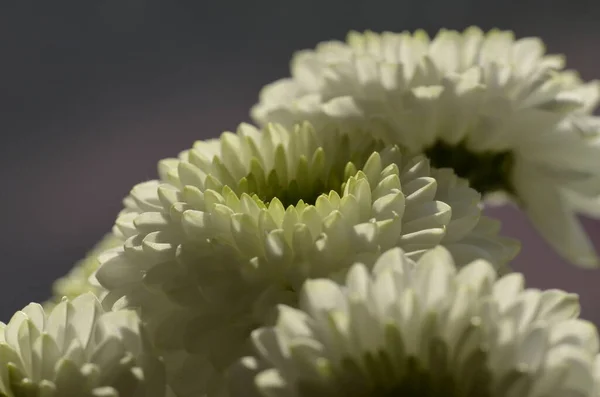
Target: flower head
[77, 281]
[77, 349]
[498, 111]
[423, 328]
[236, 224]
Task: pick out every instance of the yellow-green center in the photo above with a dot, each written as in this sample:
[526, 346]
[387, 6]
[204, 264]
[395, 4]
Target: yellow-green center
[487, 172]
[313, 174]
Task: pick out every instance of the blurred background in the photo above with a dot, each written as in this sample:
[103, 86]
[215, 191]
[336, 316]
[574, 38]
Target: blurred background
[93, 93]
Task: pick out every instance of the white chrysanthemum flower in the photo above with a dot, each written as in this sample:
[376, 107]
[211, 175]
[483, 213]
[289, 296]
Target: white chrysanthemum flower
[77, 350]
[80, 279]
[498, 111]
[424, 329]
[236, 225]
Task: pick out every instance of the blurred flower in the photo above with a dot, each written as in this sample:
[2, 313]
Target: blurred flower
[77, 281]
[424, 329]
[77, 349]
[498, 111]
[236, 224]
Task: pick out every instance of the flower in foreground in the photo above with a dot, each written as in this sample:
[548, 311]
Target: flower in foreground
[77, 281]
[236, 224]
[498, 111]
[424, 329]
[77, 350]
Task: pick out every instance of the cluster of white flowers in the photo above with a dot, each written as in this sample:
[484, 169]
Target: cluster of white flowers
[339, 248]
[499, 111]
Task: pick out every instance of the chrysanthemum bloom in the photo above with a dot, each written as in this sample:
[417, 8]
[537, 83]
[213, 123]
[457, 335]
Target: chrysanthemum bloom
[236, 225]
[77, 350]
[498, 111]
[424, 329]
[77, 281]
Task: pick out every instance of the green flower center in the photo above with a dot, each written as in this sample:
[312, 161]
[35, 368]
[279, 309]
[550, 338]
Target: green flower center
[419, 382]
[487, 172]
[310, 175]
[293, 191]
[440, 380]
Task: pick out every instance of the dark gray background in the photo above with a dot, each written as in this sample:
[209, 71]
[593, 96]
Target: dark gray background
[93, 93]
